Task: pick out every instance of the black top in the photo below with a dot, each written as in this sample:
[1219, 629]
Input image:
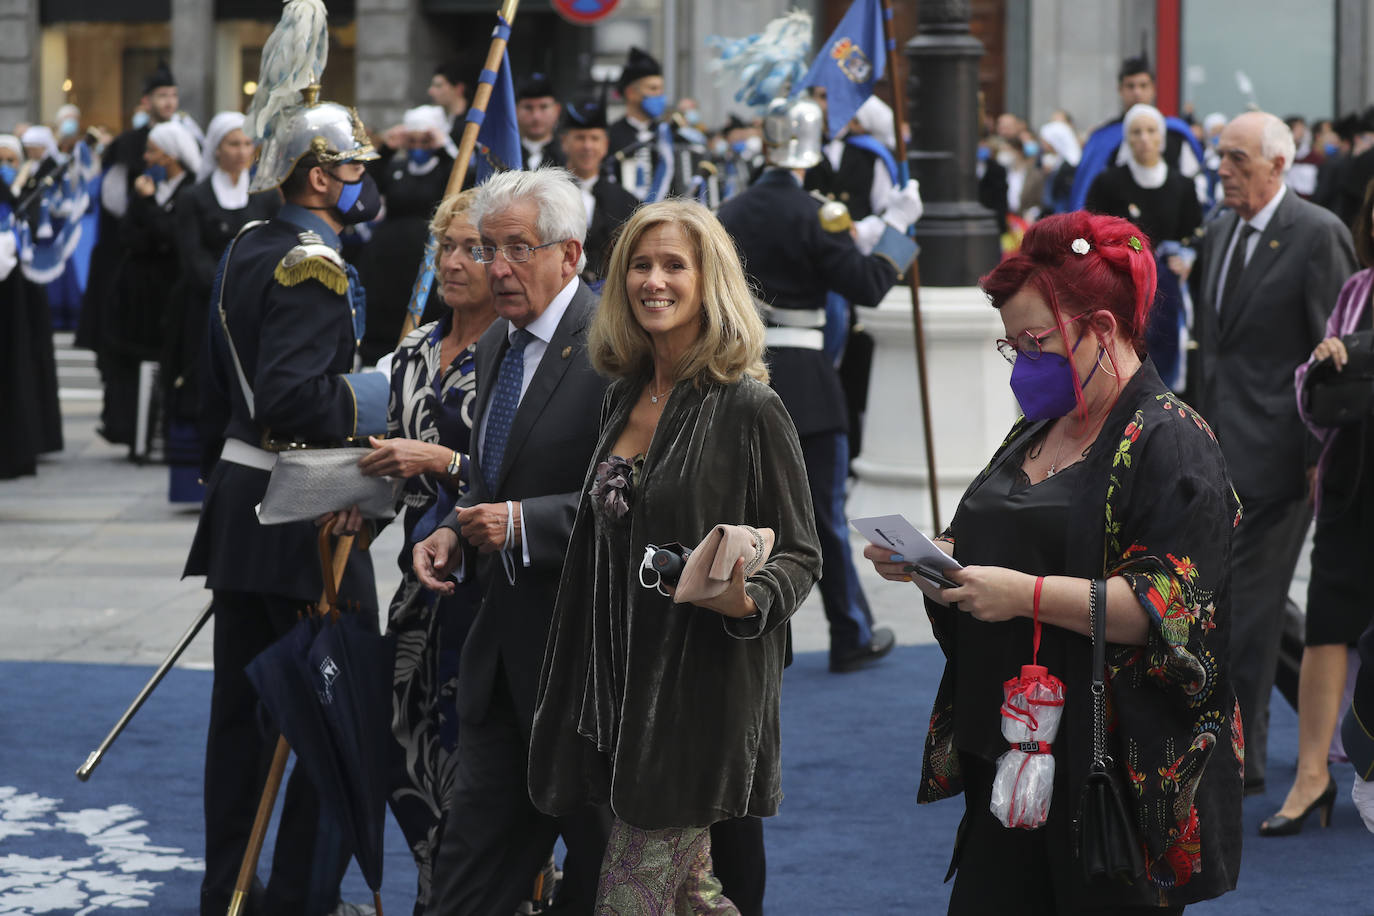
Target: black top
[1152, 504]
[389, 263]
[1168, 212]
[203, 229]
[1010, 522]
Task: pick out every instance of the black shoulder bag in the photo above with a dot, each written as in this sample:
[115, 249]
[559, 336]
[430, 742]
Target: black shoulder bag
[1104, 833]
[1345, 398]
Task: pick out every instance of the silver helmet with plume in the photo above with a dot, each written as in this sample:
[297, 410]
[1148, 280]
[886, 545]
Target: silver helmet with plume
[286, 119]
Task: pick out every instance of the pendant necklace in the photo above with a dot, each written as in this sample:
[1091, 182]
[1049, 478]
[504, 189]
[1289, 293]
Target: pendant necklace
[1054, 465]
[655, 398]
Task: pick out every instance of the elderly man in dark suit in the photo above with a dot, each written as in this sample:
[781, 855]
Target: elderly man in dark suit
[535, 426]
[1267, 280]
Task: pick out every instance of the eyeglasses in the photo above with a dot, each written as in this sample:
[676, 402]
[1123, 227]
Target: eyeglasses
[1028, 343]
[515, 254]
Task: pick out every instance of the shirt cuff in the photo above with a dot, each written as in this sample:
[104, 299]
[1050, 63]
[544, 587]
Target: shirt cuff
[524, 541]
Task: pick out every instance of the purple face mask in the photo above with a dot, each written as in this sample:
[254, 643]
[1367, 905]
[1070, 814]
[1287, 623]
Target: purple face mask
[1044, 386]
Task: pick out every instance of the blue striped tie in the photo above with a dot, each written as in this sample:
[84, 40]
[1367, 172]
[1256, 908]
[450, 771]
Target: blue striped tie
[505, 398]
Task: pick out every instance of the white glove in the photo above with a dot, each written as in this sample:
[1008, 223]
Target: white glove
[1363, 796]
[8, 255]
[903, 206]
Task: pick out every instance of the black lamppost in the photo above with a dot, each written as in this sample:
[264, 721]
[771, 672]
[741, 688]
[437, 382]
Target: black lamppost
[958, 236]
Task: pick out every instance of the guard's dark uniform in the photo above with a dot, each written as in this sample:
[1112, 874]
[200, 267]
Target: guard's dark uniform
[796, 261]
[289, 307]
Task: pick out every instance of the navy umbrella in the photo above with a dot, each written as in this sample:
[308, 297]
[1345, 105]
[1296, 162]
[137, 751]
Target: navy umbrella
[327, 686]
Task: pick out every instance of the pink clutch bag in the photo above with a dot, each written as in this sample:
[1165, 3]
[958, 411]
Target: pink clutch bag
[708, 569]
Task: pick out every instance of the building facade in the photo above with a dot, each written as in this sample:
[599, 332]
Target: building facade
[1316, 58]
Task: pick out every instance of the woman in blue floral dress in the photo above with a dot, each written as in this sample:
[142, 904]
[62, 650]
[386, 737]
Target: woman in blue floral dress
[433, 386]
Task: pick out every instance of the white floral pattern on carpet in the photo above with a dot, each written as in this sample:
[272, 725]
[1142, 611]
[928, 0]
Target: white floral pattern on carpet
[113, 875]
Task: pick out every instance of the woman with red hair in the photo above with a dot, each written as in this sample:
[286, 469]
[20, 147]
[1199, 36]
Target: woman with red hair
[1110, 485]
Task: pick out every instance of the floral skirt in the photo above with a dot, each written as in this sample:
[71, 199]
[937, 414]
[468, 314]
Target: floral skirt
[659, 873]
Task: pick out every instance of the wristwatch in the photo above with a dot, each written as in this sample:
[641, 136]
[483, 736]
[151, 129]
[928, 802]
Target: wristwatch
[454, 464]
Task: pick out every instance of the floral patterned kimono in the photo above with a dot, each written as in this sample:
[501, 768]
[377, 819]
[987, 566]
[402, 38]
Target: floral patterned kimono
[1151, 502]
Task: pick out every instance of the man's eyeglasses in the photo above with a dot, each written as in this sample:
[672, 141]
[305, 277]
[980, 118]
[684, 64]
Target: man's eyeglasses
[1027, 343]
[515, 254]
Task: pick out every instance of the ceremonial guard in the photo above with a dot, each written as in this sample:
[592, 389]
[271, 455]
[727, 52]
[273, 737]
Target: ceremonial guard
[657, 156]
[794, 270]
[584, 142]
[287, 315]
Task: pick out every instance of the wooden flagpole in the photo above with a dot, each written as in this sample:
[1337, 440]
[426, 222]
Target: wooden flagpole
[898, 112]
[480, 99]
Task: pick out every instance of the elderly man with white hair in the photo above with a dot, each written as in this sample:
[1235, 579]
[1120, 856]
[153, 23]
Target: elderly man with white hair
[534, 431]
[1266, 280]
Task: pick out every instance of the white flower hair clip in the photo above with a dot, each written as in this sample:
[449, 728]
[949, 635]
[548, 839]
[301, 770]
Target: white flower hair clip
[1080, 246]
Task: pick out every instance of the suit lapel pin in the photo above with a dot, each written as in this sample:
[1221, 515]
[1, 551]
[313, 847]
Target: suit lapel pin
[567, 351]
[1274, 244]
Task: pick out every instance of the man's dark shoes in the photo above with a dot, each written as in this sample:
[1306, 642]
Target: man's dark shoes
[857, 657]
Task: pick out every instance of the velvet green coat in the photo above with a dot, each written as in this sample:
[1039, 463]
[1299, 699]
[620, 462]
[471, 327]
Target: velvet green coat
[669, 712]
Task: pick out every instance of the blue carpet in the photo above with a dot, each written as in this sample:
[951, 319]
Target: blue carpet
[849, 839]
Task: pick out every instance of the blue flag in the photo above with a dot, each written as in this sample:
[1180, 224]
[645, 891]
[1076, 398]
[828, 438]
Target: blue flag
[498, 140]
[850, 62]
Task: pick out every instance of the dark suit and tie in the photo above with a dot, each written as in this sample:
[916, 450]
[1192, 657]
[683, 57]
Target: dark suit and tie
[535, 427]
[1265, 286]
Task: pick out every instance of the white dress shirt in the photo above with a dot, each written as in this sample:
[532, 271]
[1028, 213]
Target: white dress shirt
[543, 329]
[1260, 222]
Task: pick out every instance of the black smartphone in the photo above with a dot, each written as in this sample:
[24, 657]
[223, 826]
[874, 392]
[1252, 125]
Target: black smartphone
[930, 575]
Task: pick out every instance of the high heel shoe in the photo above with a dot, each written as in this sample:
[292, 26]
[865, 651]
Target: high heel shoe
[1282, 825]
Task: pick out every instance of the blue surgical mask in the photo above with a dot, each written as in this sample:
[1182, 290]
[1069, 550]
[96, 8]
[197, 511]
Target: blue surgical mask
[1331, 149]
[1031, 149]
[421, 156]
[359, 201]
[1044, 386]
[156, 172]
[693, 116]
[654, 105]
[141, 119]
[984, 154]
[740, 147]
[68, 127]
[7, 173]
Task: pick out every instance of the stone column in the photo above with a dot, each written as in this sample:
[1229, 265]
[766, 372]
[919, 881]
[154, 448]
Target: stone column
[958, 236]
[18, 61]
[193, 57]
[971, 405]
[396, 54]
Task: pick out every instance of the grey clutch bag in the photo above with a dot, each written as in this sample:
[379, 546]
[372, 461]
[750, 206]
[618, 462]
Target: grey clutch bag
[308, 482]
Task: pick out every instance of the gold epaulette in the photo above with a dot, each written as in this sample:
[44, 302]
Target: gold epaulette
[313, 260]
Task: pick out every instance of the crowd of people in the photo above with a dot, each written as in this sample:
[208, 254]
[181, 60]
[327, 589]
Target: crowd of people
[624, 356]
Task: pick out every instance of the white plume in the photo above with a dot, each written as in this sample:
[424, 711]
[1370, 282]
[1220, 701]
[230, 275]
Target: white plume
[769, 63]
[292, 59]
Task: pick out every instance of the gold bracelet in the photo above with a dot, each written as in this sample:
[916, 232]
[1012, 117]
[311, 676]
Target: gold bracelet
[455, 464]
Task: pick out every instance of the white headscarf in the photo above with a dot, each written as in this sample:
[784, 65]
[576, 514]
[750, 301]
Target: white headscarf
[41, 135]
[1060, 137]
[221, 125]
[11, 142]
[177, 142]
[432, 118]
[875, 117]
[232, 194]
[1153, 176]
